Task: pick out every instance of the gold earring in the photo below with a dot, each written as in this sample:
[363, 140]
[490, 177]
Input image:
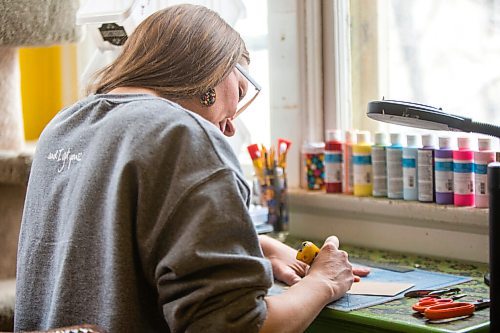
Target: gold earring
[208, 98]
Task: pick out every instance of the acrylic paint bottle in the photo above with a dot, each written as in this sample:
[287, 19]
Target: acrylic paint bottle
[410, 156]
[333, 162]
[443, 171]
[362, 165]
[463, 173]
[395, 167]
[425, 170]
[379, 165]
[482, 158]
[350, 140]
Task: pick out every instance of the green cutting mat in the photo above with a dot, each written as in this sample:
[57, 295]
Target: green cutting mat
[397, 316]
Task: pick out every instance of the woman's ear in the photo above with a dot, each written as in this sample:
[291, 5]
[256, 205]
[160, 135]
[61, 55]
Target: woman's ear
[208, 98]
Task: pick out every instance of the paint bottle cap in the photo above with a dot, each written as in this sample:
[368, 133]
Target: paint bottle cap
[484, 144]
[363, 137]
[333, 135]
[428, 140]
[380, 138]
[396, 138]
[463, 142]
[411, 140]
[350, 136]
[444, 142]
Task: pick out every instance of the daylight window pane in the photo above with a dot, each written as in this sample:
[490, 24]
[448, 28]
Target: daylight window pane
[444, 53]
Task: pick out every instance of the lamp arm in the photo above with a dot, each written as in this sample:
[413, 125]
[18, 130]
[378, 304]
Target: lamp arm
[484, 128]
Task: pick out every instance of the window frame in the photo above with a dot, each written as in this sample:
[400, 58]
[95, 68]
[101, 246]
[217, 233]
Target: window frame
[309, 73]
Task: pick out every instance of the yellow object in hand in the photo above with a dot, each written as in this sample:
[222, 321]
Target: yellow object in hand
[307, 252]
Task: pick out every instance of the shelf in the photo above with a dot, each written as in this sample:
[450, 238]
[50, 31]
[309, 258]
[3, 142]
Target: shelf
[393, 211]
[15, 168]
[398, 225]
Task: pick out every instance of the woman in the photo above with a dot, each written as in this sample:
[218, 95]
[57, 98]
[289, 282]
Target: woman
[136, 213]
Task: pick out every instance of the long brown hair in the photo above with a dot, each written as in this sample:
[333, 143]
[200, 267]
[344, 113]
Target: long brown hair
[178, 52]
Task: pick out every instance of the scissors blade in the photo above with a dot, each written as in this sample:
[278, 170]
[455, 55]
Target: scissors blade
[481, 304]
[445, 291]
[431, 292]
[417, 293]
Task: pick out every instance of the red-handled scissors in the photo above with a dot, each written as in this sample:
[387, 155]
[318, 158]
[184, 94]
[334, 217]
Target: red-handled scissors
[426, 302]
[454, 309]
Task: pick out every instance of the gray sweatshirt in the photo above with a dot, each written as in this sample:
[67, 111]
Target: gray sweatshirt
[136, 220]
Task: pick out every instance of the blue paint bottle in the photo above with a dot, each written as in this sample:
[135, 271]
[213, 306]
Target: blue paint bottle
[425, 170]
[395, 167]
[443, 172]
[482, 158]
[379, 165]
[410, 156]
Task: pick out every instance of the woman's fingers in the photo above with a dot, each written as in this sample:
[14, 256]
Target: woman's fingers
[361, 271]
[334, 240]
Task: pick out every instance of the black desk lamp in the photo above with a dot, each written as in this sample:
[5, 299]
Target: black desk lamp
[428, 117]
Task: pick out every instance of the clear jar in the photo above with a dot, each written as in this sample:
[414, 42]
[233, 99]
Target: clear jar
[313, 160]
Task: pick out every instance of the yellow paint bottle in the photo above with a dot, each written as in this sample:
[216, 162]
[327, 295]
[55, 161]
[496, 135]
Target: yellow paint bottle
[362, 165]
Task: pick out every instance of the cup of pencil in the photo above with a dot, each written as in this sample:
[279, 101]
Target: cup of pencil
[270, 173]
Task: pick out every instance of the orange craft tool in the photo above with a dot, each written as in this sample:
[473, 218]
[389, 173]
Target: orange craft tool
[427, 302]
[454, 309]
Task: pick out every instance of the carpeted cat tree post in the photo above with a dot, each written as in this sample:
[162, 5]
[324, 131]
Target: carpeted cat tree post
[22, 23]
[27, 23]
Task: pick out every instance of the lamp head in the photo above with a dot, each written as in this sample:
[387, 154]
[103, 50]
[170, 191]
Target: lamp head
[416, 115]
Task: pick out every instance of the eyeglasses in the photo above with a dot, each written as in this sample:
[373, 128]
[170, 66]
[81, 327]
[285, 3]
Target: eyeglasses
[247, 100]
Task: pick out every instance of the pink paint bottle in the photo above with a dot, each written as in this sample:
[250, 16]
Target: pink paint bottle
[482, 157]
[463, 173]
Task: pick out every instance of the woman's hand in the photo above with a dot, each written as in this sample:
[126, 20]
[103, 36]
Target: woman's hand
[287, 268]
[328, 278]
[332, 267]
[282, 257]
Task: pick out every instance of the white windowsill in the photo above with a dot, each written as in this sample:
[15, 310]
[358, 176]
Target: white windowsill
[398, 225]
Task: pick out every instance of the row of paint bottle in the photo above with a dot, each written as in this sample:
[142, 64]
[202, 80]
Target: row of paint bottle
[410, 172]
[348, 165]
[339, 168]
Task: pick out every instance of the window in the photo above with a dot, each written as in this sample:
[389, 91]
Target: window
[254, 124]
[441, 53]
